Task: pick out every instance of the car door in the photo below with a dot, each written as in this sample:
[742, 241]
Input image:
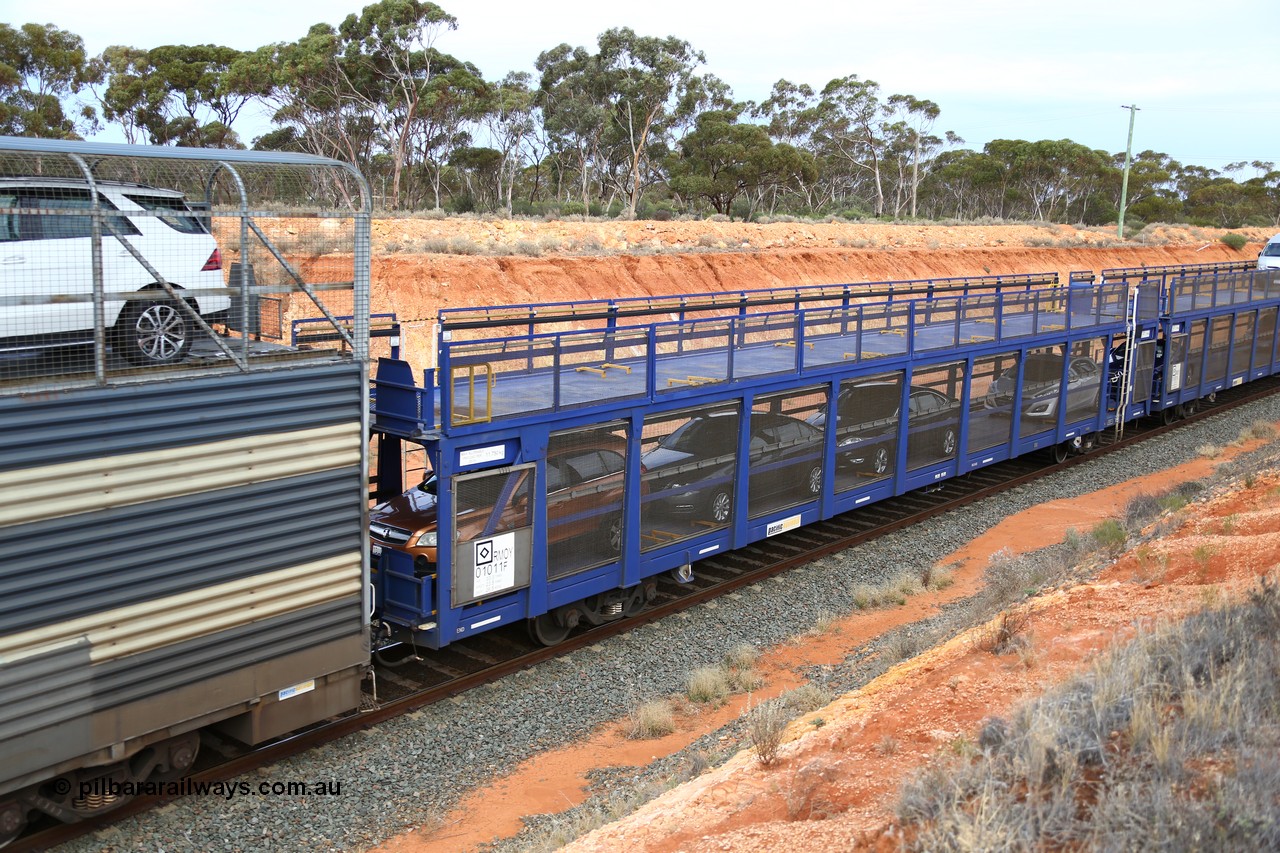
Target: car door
[47, 256]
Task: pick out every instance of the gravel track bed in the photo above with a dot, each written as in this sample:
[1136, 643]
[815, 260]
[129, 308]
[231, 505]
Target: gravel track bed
[409, 771]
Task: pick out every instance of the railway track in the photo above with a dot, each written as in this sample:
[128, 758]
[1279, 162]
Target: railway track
[413, 680]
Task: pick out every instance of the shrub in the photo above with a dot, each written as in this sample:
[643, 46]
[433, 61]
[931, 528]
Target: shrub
[651, 719]
[1234, 240]
[1166, 743]
[806, 698]
[1259, 429]
[464, 246]
[765, 724]
[1110, 535]
[1003, 633]
[708, 685]
[1141, 509]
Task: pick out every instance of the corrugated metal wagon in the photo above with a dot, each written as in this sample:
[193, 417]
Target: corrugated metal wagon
[182, 485]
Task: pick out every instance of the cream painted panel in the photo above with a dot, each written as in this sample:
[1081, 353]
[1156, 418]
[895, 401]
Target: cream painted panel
[71, 488]
[164, 621]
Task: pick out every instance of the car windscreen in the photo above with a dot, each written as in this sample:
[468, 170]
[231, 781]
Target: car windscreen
[171, 211]
[1272, 250]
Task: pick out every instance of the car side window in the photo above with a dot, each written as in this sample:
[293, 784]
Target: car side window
[587, 466]
[789, 432]
[172, 212]
[928, 402]
[71, 225]
[557, 479]
[614, 463]
[10, 219]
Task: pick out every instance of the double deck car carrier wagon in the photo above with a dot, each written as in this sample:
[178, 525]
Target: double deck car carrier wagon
[577, 450]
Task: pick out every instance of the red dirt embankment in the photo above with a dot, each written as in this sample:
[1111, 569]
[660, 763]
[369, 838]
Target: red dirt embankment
[416, 284]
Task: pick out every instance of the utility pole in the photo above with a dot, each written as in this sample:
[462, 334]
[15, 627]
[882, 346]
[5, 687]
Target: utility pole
[1124, 182]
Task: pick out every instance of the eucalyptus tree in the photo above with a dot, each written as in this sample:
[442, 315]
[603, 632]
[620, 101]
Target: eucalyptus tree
[310, 92]
[910, 143]
[649, 87]
[178, 94]
[42, 66]
[574, 111]
[509, 114]
[850, 134]
[791, 115]
[1153, 191]
[388, 59]
[721, 160]
[454, 100]
[1269, 196]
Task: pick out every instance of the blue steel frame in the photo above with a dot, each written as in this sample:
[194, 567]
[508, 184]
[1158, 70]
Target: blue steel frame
[913, 335]
[1233, 296]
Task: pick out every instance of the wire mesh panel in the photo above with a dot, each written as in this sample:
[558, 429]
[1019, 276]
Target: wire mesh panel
[1242, 343]
[1041, 390]
[586, 474]
[937, 323]
[117, 266]
[765, 345]
[866, 429]
[785, 450]
[1219, 347]
[933, 416]
[991, 388]
[831, 335]
[1143, 372]
[688, 473]
[1195, 354]
[1085, 371]
[1264, 342]
[695, 353]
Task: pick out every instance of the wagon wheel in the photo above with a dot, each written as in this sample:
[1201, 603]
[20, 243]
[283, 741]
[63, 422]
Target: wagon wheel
[546, 630]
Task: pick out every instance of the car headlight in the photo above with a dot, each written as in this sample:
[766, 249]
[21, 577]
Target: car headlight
[427, 540]
[1041, 408]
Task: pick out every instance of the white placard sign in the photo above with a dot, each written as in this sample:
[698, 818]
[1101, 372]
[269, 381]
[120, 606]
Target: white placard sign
[495, 564]
[782, 526]
[480, 455]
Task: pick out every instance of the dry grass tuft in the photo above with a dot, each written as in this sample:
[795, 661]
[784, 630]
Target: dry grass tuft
[708, 685]
[1167, 743]
[651, 719]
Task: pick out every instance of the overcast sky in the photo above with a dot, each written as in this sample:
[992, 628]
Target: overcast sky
[1206, 75]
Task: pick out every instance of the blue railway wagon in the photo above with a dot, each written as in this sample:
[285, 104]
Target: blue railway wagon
[570, 466]
[182, 544]
[1218, 330]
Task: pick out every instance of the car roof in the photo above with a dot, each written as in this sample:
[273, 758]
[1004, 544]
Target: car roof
[37, 182]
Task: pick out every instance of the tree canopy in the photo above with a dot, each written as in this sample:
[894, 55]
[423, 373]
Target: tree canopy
[631, 126]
